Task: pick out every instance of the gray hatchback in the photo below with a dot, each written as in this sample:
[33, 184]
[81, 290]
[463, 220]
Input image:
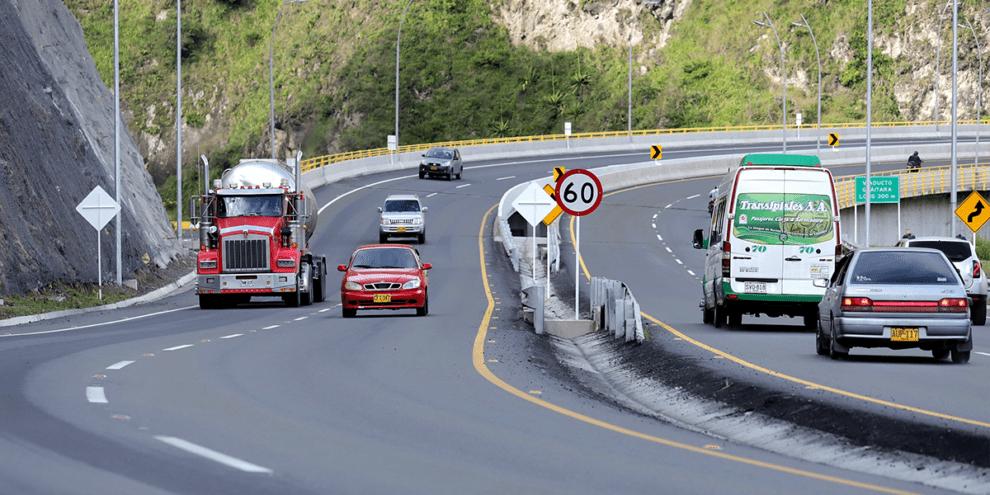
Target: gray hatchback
[445, 162]
[898, 298]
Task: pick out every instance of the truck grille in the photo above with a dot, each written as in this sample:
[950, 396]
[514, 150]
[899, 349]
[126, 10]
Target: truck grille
[246, 255]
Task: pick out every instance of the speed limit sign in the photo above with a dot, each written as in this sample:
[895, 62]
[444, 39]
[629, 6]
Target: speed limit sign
[578, 192]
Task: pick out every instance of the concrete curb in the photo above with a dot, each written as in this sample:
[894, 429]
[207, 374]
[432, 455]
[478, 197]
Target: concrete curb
[151, 296]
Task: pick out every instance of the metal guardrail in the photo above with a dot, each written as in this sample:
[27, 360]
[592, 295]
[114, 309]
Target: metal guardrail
[614, 308]
[321, 161]
[928, 180]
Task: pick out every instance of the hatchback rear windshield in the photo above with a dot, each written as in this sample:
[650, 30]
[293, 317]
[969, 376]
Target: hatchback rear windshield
[902, 268]
[954, 250]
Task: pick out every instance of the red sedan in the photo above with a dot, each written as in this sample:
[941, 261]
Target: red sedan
[384, 277]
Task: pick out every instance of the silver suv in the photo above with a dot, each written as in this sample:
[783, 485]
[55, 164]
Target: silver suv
[962, 254]
[402, 215]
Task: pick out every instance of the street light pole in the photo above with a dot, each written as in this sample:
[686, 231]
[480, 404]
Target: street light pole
[271, 73]
[783, 72]
[178, 121]
[398, 39]
[818, 141]
[938, 50]
[634, 18]
[979, 92]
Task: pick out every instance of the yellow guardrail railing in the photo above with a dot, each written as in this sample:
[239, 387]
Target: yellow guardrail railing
[928, 180]
[322, 161]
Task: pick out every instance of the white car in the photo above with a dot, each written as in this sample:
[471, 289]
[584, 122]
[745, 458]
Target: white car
[962, 254]
[402, 215]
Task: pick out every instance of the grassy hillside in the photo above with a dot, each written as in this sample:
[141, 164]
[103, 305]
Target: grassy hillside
[461, 78]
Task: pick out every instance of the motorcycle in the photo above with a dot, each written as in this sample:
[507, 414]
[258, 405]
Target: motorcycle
[913, 165]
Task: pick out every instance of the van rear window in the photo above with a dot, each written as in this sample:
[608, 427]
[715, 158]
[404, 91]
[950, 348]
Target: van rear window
[777, 218]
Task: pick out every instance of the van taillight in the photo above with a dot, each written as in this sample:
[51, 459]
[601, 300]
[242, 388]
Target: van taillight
[976, 269]
[838, 240]
[726, 257]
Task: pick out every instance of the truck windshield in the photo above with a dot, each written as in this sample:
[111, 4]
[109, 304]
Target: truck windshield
[249, 206]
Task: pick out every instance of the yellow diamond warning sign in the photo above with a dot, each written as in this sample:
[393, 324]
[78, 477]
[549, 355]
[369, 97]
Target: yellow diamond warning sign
[974, 211]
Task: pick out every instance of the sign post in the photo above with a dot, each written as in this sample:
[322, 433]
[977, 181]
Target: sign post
[534, 204]
[98, 208]
[578, 192]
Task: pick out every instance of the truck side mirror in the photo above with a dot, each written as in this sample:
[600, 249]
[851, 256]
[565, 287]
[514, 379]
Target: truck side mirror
[698, 240]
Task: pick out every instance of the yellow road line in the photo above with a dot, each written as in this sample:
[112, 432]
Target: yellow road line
[769, 371]
[478, 357]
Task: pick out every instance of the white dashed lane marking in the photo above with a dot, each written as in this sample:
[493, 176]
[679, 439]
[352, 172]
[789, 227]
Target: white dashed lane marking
[431, 195]
[178, 347]
[504, 178]
[213, 455]
[692, 197]
[95, 395]
[232, 336]
[465, 185]
[271, 327]
[117, 366]
[301, 318]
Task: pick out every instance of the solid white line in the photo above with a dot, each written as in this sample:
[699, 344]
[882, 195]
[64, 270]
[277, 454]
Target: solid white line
[668, 250]
[692, 273]
[434, 194]
[232, 336]
[465, 185]
[692, 197]
[271, 327]
[132, 318]
[95, 395]
[301, 318]
[119, 365]
[504, 178]
[213, 455]
[178, 347]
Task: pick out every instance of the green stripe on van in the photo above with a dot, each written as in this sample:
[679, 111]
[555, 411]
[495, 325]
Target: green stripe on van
[774, 159]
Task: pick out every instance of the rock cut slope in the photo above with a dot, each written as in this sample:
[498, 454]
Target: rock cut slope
[56, 145]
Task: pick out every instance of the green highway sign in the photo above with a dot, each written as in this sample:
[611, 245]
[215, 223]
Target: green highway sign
[882, 189]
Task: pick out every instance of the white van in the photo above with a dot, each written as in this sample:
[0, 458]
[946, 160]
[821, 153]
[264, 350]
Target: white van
[774, 229]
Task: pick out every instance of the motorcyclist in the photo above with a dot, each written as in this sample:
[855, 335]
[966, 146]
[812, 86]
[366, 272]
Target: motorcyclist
[914, 162]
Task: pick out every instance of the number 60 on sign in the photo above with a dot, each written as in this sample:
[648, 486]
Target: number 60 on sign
[578, 192]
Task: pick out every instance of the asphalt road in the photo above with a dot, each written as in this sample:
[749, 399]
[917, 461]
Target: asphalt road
[168, 398]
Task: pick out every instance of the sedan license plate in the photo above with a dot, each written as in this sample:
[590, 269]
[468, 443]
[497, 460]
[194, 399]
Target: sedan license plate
[755, 287]
[383, 298]
[898, 334]
[433, 168]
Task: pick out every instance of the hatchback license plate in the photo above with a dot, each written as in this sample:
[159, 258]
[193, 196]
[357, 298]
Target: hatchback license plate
[898, 334]
[383, 298]
[755, 287]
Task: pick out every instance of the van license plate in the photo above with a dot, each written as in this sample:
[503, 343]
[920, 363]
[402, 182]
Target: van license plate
[383, 298]
[755, 287]
[903, 334]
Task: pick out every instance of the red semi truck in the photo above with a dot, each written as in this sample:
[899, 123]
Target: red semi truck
[254, 228]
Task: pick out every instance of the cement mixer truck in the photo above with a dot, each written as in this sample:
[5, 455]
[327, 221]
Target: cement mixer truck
[254, 227]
